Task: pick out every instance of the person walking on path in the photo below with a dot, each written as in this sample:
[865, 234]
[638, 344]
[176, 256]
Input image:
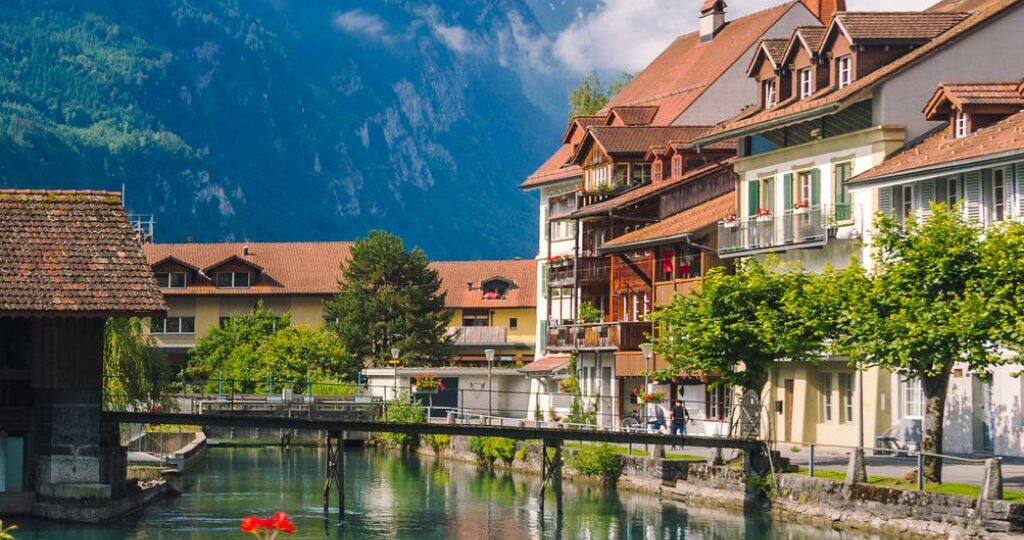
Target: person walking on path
[680, 417]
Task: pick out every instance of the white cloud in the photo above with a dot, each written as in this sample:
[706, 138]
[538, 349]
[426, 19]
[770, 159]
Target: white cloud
[454, 37]
[534, 50]
[358, 21]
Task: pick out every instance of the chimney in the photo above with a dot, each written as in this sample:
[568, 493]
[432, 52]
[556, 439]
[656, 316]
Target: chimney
[712, 19]
[824, 10]
[469, 285]
[245, 250]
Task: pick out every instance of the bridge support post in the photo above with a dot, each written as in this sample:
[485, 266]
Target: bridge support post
[335, 472]
[551, 473]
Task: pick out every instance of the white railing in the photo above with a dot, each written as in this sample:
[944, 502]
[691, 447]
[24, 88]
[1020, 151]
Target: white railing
[801, 227]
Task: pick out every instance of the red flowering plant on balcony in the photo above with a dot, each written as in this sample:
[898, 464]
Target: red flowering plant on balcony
[644, 396]
[428, 383]
[267, 528]
[730, 219]
[763, 213]
[802, 204]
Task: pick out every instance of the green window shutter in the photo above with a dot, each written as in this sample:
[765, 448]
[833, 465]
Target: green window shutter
[815, 187]
[753, 197]
[787, 184]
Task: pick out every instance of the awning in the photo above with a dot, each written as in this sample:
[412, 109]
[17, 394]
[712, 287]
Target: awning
[545, 365]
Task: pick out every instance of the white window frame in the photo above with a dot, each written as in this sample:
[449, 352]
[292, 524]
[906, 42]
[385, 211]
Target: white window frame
[677, 166]
[953, 194]
[907, 204]
[234, 280]
[164, 332]
[960, 125]
[911, 399]
[998, 195]
[170, 280]
[845, 70]
[806, 83]
[847, 389]
[826, 391]
[770, 93]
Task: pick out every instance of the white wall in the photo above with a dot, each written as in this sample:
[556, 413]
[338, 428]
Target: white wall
[557, 247]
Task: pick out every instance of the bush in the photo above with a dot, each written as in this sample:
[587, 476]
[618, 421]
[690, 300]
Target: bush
[402, 410]
[438, 441]
[489, 449]
[599, 460]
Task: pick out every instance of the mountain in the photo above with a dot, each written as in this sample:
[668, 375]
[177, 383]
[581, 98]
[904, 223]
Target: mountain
[287, 119]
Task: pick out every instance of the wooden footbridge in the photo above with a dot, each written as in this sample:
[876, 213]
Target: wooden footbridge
[553, 438]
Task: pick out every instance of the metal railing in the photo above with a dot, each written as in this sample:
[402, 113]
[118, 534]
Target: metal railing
[801, 227]
[598, 336]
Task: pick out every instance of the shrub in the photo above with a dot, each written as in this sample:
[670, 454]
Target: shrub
[401, 409]
[598, 460]
[438, 441]
[489, 449]
[589, 313]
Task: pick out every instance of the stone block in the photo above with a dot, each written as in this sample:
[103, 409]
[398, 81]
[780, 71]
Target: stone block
[75, 492]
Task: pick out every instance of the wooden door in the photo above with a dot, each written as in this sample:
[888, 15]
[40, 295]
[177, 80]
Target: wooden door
[787, 409]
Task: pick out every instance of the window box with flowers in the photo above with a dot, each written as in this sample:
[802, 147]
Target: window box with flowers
[802, 207]
[428, 384]
[643, 397]
[763, 214]
[730, 221]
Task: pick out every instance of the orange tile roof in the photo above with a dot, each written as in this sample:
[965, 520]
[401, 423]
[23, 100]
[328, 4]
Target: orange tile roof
[546, 364]
[648, 190]
[890, 26]
[634, 141]
[457, 275]
[554, 169]
[959, 6]
[830, 99]
[684, 70]
[632, 115]
[688, 221]
[1004, 137]
[960, 95]
[288, 268]
[71, 252]
[808, 37]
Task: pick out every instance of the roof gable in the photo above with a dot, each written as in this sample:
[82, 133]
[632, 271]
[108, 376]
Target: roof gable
[620, 142]
[806, 38]
[960, 96]
[769, 50]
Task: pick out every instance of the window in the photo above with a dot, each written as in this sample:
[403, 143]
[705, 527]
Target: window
[961, 125]
[331, 321]
[806, 85]
[769, 93]
[223, 322]
[846, 387]
[677, 166]
[562, 230]
[845, 71]
[717, 403]
[172, 325]
[952, 191]
[907, 204]
[513, 323]
[170, 280]
[232, 280]
[495, 289]
[656, 170]
[840, 176]
[826, 397]
[641, 173]
[688, 262]
[805, 187]
[913, 399]
[475, 317]
[998, 195]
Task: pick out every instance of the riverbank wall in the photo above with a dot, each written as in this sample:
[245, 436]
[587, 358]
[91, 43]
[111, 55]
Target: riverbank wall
[817, 501]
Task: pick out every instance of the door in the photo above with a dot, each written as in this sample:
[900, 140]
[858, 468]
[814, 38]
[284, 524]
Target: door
[787, 410]
[987, 421]
[439, 403]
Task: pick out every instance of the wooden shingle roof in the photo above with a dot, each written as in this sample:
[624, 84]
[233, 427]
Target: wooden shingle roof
[71, 253]
[686, 222]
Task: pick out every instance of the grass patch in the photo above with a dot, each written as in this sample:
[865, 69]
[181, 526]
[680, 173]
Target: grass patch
[967, 490]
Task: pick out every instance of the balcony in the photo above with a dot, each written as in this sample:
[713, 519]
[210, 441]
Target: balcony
[666, 291]
[611, 336]
[559, 207]
[797, 228]
[592, 270]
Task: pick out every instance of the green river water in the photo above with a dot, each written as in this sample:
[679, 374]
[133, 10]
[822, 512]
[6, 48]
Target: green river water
[406, 497]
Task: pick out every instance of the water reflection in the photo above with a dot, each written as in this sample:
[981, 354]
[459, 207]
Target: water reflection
[393, 497]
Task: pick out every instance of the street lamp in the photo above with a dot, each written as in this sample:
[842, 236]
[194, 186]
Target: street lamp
[648, 351]
[489, 353]
[395, 351]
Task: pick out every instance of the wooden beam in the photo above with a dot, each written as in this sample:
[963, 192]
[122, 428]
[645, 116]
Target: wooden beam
[636, 269]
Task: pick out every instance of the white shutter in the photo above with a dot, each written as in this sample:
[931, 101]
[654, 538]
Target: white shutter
[924, 195]
[885, 200]
[1018, 189]
[973, 196]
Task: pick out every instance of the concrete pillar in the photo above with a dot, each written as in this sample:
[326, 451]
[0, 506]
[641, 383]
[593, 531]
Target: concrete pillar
[657, 451]
[855, 471]
[451, 417]
[717, 460]
[992, 488]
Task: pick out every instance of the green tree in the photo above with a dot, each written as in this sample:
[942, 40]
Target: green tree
[940, 292]
[390, 297]
[298, 353]
[133, 368]
[232, 351]
[589, 96]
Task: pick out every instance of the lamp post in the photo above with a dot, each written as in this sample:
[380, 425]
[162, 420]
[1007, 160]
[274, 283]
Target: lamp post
[648, 351]
[395, 351]
[489, 353]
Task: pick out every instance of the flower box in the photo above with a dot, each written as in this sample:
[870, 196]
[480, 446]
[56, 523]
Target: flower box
[427, 384]
[429, 390]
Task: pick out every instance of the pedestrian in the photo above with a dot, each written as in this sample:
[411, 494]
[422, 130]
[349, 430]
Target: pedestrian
[658, 423]
[680, 417]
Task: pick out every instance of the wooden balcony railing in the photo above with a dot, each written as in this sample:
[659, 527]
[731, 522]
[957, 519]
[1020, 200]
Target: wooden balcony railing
[665, 291]
[621, 336]
[592, 270]
[478, 335]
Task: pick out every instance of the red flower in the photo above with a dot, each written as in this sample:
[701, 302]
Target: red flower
[258, 526]
[283, 523]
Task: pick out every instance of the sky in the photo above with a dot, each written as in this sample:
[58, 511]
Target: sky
[583, 46]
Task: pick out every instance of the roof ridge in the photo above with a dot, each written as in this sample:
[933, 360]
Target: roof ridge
[25, 191]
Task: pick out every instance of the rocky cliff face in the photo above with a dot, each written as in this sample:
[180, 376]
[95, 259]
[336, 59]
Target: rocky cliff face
[286, 120]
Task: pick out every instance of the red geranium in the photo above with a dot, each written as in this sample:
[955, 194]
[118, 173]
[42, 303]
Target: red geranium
[267, 528]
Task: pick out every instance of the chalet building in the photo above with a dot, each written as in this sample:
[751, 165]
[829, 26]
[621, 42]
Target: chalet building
[973, 160]
[494, 302]
[68, 261]
[832, 105]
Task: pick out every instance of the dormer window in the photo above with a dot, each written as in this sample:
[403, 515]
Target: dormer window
[656, 171]
[806, 84]
[677, 166]
[770, 93]
[845, 71]
[170, 280]
[960, 125]
[232, 280]
[495, 289]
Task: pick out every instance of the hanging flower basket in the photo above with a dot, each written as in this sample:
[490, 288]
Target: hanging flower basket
[649, 397]
[763, 214]
[730, 221]
[427, 384]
